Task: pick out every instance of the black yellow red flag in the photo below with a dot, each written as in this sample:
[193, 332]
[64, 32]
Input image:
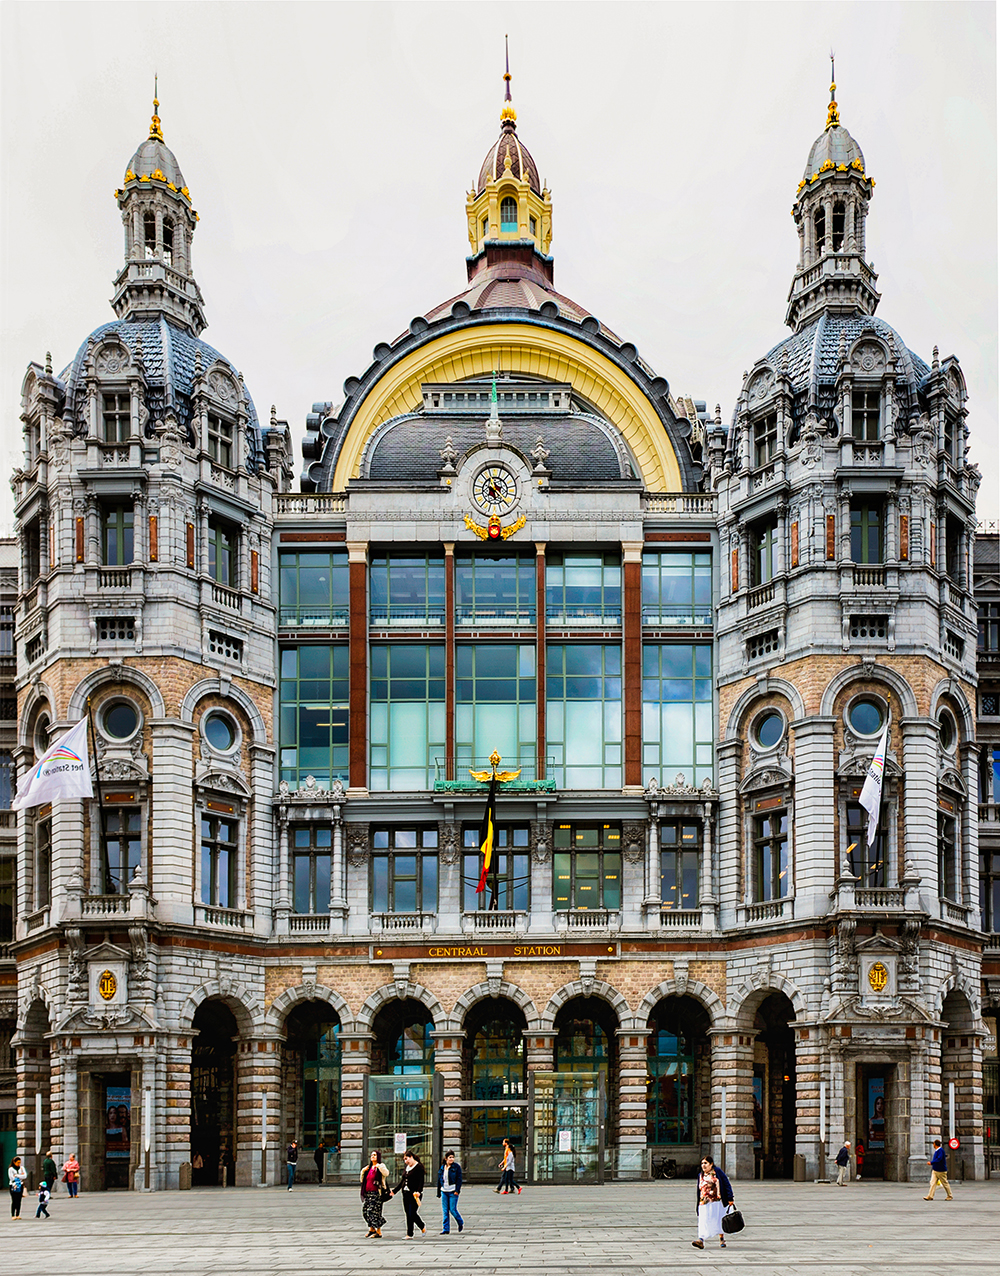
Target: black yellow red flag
[487, 834]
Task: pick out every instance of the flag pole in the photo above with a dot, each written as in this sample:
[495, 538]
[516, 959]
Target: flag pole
[100, 796]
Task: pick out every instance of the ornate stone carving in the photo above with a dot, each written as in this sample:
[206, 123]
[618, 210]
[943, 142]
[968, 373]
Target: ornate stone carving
[77, 973]
[448, 843]
[112, 361]
[868, 357]
[634, 842]
[357, 844]
[224, 388]
[541, 843]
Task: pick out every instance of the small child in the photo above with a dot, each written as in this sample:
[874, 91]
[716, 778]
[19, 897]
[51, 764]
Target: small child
[43, 1199]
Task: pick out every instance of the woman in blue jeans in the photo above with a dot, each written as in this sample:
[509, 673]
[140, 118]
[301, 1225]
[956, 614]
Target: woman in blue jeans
[449, 1187]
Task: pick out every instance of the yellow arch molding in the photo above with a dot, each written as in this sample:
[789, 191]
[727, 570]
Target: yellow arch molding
[524, 348]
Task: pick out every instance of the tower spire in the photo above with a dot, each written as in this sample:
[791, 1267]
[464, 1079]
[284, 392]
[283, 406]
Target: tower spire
[155, 131]
[832, 112]
[508, 112]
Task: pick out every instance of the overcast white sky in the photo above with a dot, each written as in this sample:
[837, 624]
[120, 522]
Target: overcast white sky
[328, 149]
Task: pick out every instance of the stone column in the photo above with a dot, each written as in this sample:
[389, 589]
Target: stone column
[919, 763]
[809, 1072]
[448, 1062]
[258, 1072]
[355, 1067]
[68, 1138]
[177, 1107]
[707, 898]
[630, 1135]
[729, 839]
[968, 754]
[815, 853]
[732, 1067]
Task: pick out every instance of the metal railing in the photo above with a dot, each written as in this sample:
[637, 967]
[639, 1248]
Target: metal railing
[584, 614]
[672, 616]
[411, 617]
[496, 617]
[317, 617]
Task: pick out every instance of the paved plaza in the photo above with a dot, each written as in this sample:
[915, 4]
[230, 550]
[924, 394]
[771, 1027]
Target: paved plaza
[640, 1230]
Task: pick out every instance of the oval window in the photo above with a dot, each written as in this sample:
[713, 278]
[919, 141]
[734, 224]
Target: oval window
[770, 729]
[947, 731]
[120, 720]
[219, 732]
[866, 716]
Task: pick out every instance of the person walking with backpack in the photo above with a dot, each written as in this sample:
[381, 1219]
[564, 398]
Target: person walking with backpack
[16, 1177]
[844, 1164]
[44, 1196]
[939, 1172]
[449, 1187]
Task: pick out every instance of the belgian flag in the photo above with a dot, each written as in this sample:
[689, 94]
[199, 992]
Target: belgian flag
[487, 834]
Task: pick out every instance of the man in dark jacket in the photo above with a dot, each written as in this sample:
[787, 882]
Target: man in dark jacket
[939, 1172]
[292, 1160]
[449, 1187]
[49, 1172]
[843, 1163]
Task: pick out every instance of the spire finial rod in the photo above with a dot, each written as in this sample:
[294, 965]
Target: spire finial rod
[832, 113]
[508, 112]
[155, 130]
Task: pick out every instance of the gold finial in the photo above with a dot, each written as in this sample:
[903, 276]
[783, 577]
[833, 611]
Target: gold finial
[154, 128]
[508, 112]
[832, 113]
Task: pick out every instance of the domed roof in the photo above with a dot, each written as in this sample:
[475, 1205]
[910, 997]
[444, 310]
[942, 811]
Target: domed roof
[169, 355]
[154, 158]
[836, 145]
[521, 163]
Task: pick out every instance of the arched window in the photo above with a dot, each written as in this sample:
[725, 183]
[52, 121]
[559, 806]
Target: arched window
[149, 233]
[839, 224]
[168, 241]
[508, 214]
[819, 223]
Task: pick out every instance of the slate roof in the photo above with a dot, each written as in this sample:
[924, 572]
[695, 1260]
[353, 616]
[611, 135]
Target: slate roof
[508, 143]
[813, 351]
[152, 155]
[168, 359]
[515, 293]
[581, 450]
[835, 144]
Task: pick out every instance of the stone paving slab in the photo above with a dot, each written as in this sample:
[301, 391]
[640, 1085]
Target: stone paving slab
[644, 1229]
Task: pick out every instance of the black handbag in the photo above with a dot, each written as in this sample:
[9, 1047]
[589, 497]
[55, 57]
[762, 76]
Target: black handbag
[732, 1221]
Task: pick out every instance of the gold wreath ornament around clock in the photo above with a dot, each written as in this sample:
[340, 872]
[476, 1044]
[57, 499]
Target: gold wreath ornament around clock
[494, 490]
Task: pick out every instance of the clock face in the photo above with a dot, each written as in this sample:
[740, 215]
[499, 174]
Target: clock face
[494, 490]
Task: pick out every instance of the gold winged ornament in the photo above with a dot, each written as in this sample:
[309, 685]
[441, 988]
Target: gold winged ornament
[501, 776]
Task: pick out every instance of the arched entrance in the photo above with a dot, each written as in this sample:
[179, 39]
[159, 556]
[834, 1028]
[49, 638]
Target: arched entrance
[961, 1083]
[402, 1038]
[586, 1041]
[678, 1097]
[494, 1071]
[36, 1078]
[213, 1095]
[774, 1086]
[311, 1083]
[400, 1087]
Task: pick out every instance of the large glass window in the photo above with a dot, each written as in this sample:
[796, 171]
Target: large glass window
[404, 870]
[584, 715]
[314, 727]
[121, 847]
[407, 719]
[670, 1062]
[676, 588]
[311, 860]
[495, 705]
[117, 418]
[314, 587]
[989, 889]
[865, 412]
[43, 861]
[770, 847]
[868, 863]
[679, 856]
[677, 736]
[117, 535]
[763, 558]
[989, 627]
[495, 589]
[948, 875]
[321, 1059]
[407, 588]
[221, 552]
[8, 897]
[587, 866]
[582, 588]
[218, 861]
[510, 859]
[497, 1074]
[866, 534]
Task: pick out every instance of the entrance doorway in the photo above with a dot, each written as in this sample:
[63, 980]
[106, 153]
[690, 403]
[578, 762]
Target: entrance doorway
[213, 1096]
[313, 1056]
[774, 1086]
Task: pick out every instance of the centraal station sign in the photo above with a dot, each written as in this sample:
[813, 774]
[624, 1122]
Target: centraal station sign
[483, 952]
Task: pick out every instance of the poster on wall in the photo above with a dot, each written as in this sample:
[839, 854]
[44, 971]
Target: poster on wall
[118, 1125]
[876, 1113]
[758, 1109]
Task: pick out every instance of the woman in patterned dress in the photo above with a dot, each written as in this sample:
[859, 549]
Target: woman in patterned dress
[711, 1203]
[373, 1181]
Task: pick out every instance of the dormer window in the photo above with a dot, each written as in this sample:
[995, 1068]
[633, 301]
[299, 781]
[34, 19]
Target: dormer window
[117, 418]
[168, 241]
[765, 438]
[508, 215]
[533, 225]
[866, 415]
[819, 222]
[839, 222]
[149, 233]
[220, 441]
[486, 226]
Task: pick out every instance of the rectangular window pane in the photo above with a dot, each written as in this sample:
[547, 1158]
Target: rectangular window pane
[412, 698]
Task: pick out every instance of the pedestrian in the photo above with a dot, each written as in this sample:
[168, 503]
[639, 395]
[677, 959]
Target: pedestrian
[859, 1156]
[44, 1195]
[374, 1178]
[714, 1194]
[939, 1172]
[844, 1164]
[411, 1184]
[71, 1176]
[507, 1182]
[291, 1160]
[319, 1156]
[449, 1189]
[49, 1171]
[16, 1176]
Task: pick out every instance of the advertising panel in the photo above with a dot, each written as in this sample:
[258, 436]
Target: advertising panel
[118, 1126]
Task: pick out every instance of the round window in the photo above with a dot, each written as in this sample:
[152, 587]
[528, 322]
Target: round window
[770, 729]
[41, 740]
[219, 732]
[866, 716]
[120, 720]
[947, 731]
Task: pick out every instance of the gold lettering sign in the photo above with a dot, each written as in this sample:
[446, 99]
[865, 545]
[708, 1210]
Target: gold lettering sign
[878, 976]
[107, 985]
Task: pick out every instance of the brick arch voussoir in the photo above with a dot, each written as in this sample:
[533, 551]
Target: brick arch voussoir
[285, 1003]
[481, 992]
[710, 1001]
[754, 991]
[249, 1012]
[588, 988]
[397, 991]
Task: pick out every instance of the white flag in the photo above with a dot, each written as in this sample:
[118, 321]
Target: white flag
[871, 794]
[64, 771]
